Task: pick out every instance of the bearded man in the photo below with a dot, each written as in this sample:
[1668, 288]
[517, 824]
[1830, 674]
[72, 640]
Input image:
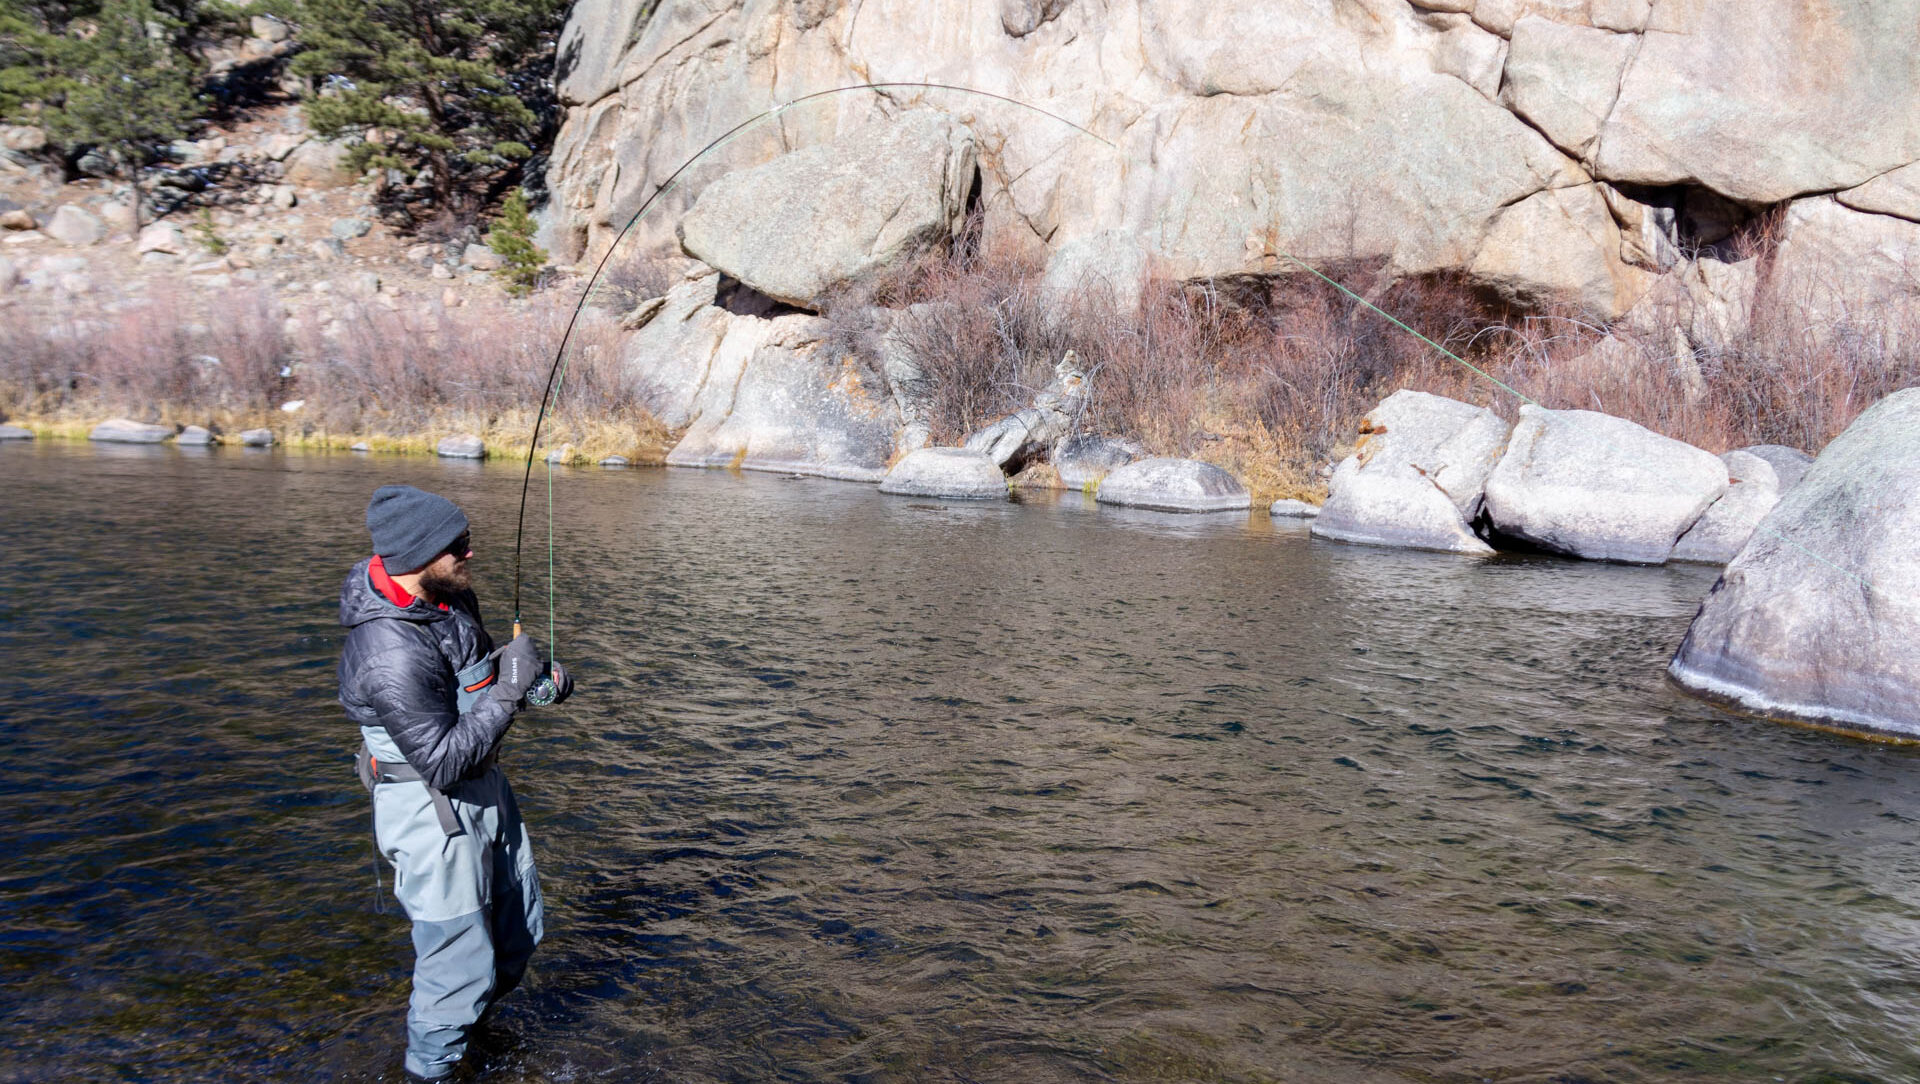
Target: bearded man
[433, 700]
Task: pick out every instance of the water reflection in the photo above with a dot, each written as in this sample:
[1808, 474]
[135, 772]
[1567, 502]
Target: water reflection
[869, 788]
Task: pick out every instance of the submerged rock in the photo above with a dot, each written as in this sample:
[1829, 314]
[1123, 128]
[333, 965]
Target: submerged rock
[125, 431]
[1416, 477]
[1591, 485]
[1718, 535]
[1818, 616]
[1174, 485]
[461, 446]
[947, 473]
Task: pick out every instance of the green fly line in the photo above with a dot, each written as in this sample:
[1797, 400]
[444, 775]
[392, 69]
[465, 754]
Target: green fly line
[556, 374]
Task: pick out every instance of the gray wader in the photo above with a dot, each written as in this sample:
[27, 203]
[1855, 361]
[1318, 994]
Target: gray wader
[463, 870]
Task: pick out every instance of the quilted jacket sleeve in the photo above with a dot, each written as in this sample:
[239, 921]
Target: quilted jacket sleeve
[408, 686]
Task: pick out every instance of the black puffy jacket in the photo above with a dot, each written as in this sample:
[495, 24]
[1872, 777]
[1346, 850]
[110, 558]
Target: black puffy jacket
[397, 671]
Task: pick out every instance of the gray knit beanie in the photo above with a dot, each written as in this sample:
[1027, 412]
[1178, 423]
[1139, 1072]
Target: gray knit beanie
[411, 527]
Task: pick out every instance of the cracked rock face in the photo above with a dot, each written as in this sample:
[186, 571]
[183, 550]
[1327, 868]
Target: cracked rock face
[1829, 637]
[755, 393]
[1442, 135]
[816, 220]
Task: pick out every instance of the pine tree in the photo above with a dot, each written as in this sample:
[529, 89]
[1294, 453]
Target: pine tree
[438, 78]
[123, 87]
[512, 240]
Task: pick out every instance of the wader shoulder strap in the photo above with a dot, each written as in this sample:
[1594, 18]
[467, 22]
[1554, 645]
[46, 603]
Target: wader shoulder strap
[374, 772]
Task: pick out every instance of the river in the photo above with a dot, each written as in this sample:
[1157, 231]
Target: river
[865, 788]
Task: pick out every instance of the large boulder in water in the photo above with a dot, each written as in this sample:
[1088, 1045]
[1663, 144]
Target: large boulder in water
[1818, 618]
[15, 432]
[1591, 485]
[1174, 485]
[1718, 535]
[1416, 477]
[125, 431]
[809, 222]
[949, 473]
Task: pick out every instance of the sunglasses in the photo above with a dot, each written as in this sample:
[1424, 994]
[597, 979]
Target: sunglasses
[461, 547]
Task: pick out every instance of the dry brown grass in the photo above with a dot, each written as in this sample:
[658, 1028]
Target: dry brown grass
[396, 377]
[1268, 376]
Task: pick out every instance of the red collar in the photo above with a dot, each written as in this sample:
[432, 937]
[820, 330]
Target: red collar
[383, 583]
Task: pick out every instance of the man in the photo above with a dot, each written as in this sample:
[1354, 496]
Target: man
[433, 700]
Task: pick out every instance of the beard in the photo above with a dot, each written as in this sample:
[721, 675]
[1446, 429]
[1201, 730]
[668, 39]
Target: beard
[442, 584]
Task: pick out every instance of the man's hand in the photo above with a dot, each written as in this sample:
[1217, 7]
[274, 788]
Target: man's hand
[562, 681]
[515, 669]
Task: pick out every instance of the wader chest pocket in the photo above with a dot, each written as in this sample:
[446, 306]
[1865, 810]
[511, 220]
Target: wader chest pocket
[472, 683]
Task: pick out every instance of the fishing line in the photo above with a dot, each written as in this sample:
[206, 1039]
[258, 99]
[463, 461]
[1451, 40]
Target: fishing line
[555, 374]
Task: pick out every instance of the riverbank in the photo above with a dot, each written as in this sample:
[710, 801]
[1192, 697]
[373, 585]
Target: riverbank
[1267, 379]
[375, 337]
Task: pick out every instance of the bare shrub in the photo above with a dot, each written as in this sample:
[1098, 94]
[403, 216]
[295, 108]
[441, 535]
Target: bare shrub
[403, 375]
[1269, 375]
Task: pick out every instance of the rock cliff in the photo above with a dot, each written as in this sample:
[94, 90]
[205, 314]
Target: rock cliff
[1562, 153]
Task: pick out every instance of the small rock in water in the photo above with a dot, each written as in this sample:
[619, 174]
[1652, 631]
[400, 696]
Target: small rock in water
[1292, 509]
[614, 462]
[194, 436]
[461, 446]
[947, 473]
[1728, 522]
[562, 454]
[14, 432]
[125, 431]
[1174, 485]
[360, 446]
[256, 438]
[1084, 460]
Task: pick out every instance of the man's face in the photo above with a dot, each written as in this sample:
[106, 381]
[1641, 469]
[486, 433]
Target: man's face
[448, 574]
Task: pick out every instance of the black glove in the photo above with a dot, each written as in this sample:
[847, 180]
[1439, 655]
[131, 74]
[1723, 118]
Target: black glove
[515, 668]
[562, 681]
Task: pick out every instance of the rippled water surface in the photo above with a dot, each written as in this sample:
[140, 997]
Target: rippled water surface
[869, 788]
